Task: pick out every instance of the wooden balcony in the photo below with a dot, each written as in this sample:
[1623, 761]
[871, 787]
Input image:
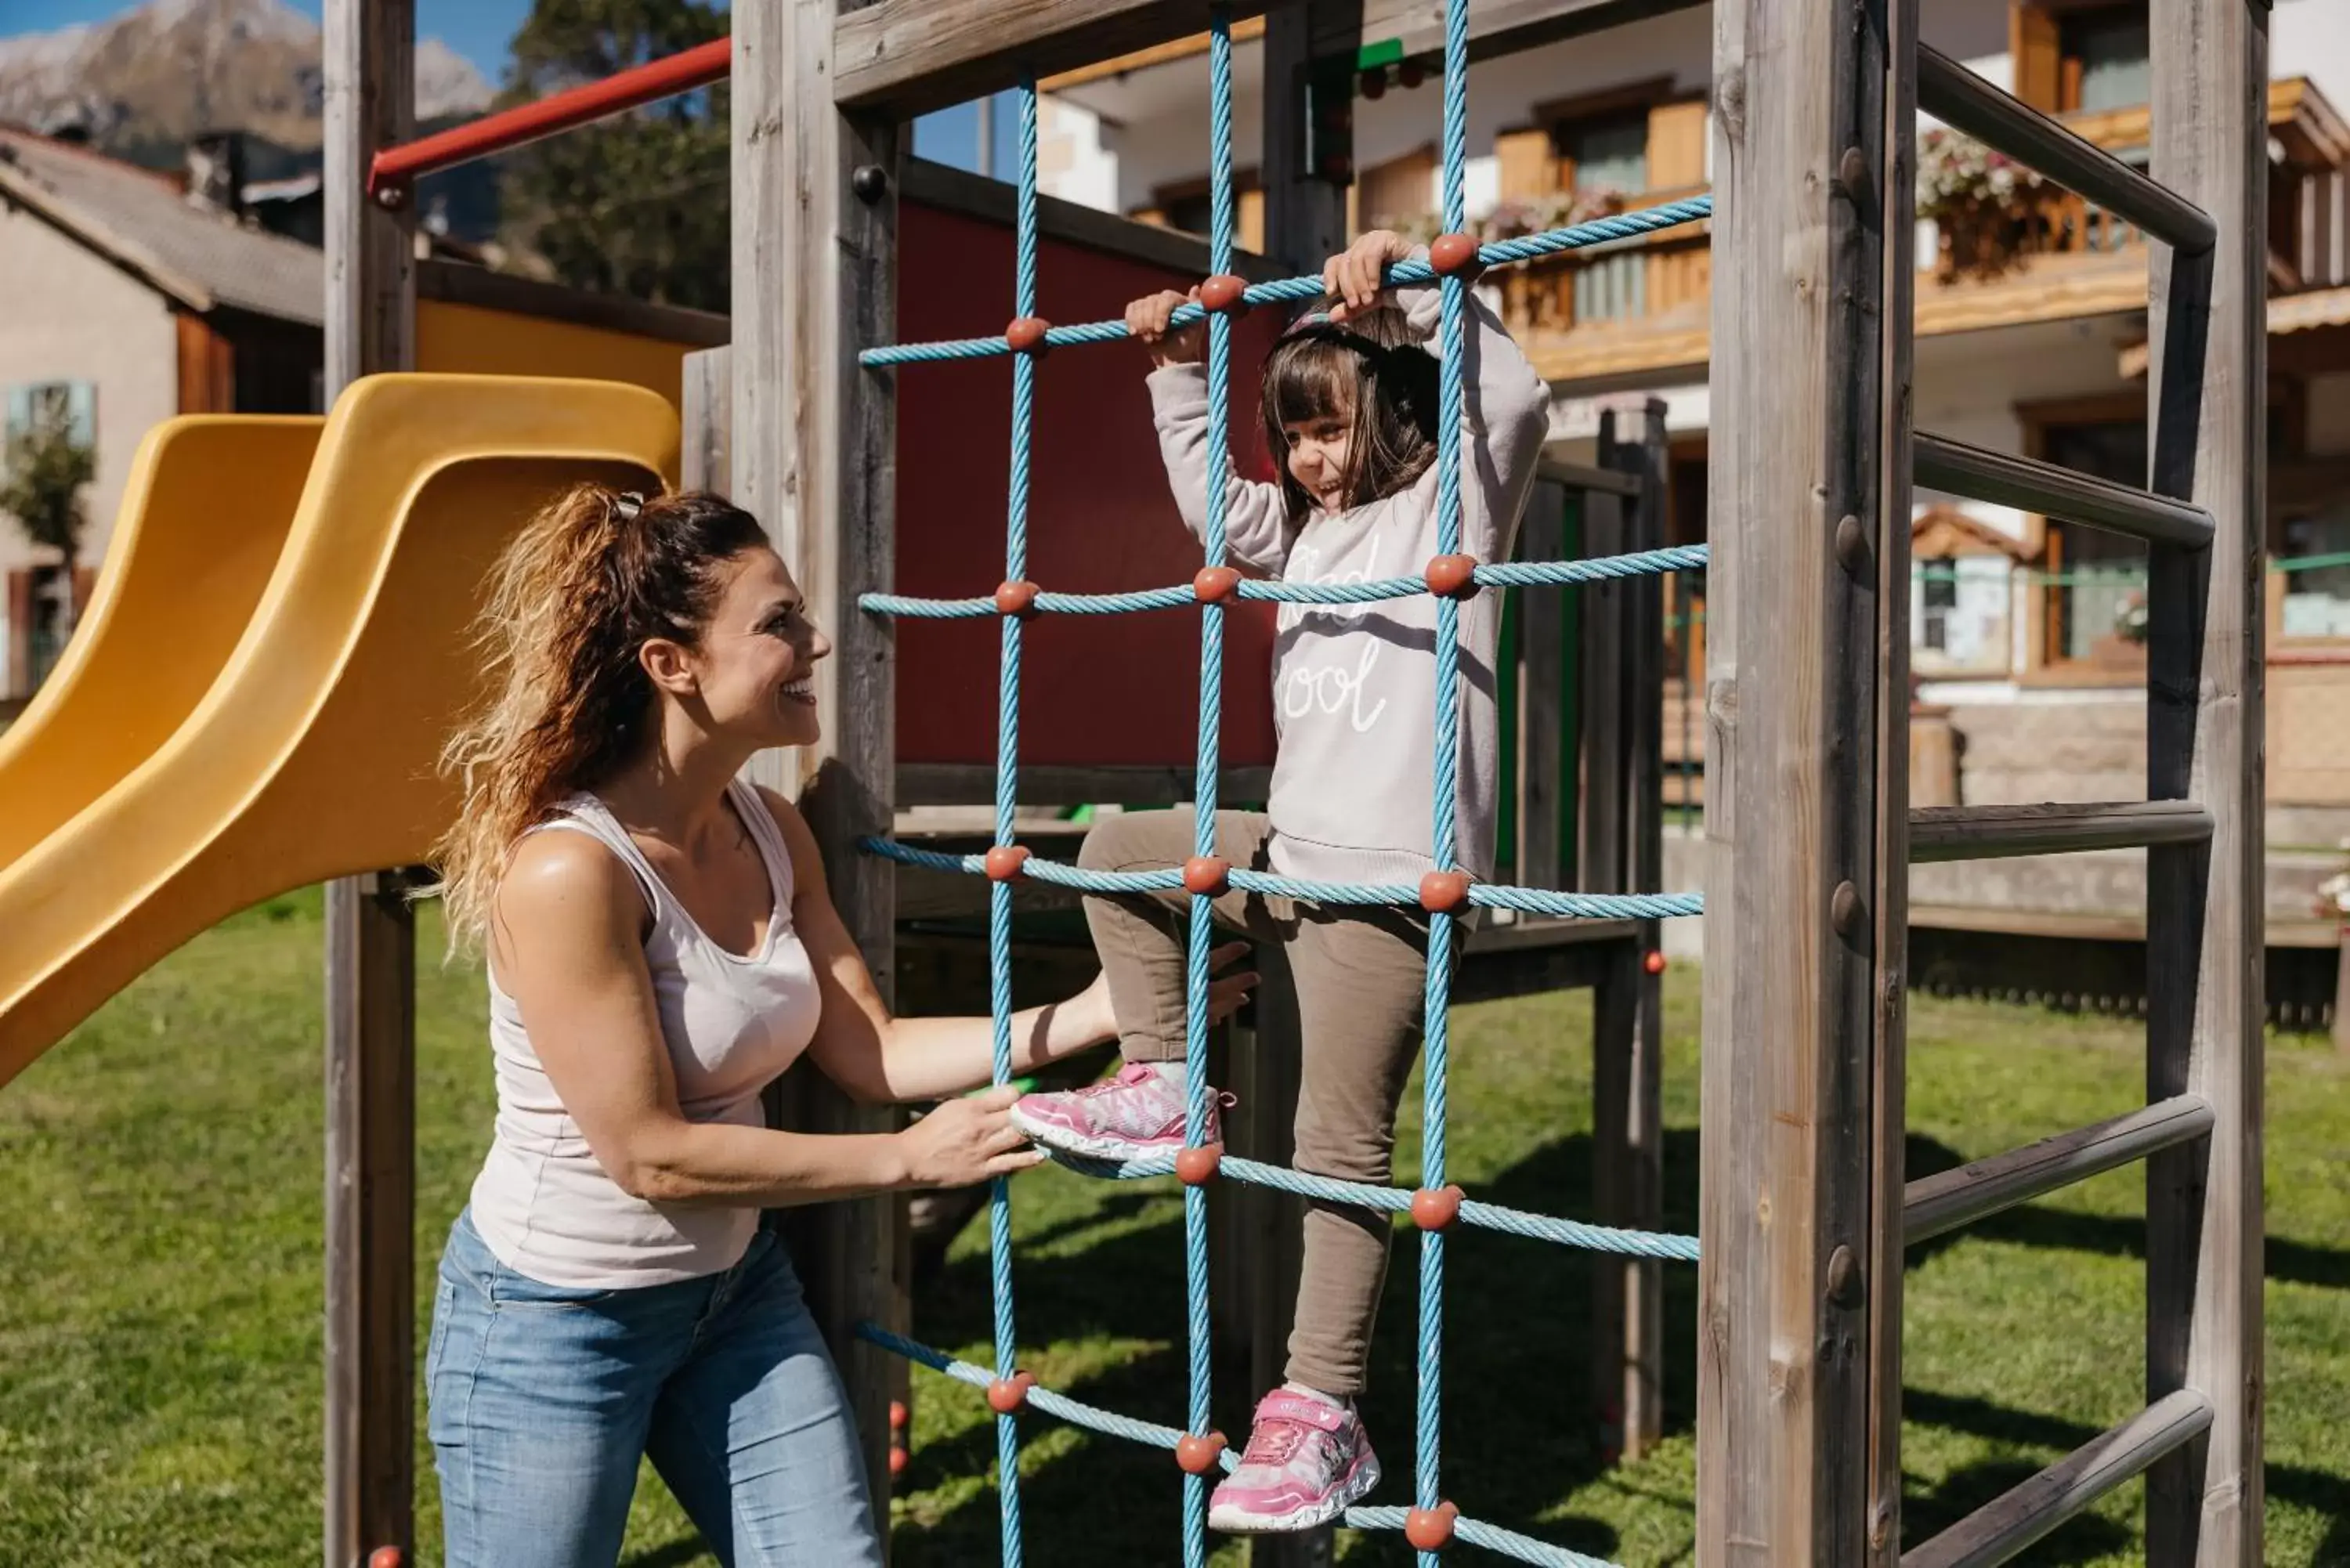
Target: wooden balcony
[1639, 307]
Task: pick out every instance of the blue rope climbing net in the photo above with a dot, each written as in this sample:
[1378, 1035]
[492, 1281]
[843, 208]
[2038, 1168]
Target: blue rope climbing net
[1012, 604]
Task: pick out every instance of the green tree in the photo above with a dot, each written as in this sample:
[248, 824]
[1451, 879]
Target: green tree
[47, 468]
[636, 205]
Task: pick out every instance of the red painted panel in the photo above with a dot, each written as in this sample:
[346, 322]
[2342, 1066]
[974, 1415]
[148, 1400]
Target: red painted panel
[1104, 690]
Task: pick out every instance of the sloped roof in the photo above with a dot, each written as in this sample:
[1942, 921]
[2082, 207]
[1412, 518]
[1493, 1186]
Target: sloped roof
[142, 220]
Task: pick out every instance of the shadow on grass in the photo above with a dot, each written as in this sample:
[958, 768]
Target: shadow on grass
[1520, 1432]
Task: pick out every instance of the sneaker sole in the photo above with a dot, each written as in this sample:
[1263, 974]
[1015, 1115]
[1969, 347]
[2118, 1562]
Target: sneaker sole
[1359, 1485]
[1060, 1139]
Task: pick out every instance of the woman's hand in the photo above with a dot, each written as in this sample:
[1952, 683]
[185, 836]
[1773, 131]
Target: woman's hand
[1093, 1015]
[1353, 276]
[1147, 318]
[962, 1142]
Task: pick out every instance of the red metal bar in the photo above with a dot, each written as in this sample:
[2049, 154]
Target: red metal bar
[397, 167]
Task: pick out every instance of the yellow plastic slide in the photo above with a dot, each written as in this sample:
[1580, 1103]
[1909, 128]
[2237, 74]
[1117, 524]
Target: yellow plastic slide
[312, 753]
[204, 520]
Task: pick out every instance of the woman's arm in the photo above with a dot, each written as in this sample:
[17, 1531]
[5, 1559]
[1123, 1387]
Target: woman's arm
[1256, 521]
[881, 1059]
[568, 943]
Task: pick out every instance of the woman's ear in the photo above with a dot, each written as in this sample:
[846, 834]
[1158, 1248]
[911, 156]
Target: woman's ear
[670, 666]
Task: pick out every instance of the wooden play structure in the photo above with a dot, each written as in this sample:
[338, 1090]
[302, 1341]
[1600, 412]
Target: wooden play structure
[844, 246]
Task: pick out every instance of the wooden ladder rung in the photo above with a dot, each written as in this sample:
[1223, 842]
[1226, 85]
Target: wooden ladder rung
[1954, 94]
[1934, 1204]
[1997, 832]
[2014, 1520]
[2005, 480]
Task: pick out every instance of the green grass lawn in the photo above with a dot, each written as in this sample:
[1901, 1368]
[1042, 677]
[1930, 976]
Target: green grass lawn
[159, 1222]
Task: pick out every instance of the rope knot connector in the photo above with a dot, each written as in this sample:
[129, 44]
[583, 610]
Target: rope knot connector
[1436, 1207]
[1006, 1396]
[1222, 294]
[1216, 585]
[1454, 255]
[1452, 576]
[1430, 1529]
[1208, 875]
[1444, 892]
[1007, 863]
[1199, 1453]
[1196, 1165]
[1026, 335]
[1016, 598]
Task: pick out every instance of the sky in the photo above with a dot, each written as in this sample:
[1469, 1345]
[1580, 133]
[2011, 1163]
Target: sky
[479, 30]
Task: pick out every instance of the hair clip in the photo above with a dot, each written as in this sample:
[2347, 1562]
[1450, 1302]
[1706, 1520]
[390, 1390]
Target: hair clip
[627, 503]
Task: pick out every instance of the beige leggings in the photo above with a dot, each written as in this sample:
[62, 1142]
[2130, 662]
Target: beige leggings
[1358, 975]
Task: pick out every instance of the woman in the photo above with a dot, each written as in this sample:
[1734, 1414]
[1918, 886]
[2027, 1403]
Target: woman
[660, 947]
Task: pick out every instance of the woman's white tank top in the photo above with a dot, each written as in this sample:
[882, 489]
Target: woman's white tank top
[732, 1023]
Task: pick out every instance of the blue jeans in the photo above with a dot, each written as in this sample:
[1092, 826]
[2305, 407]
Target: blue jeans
[543, 1399]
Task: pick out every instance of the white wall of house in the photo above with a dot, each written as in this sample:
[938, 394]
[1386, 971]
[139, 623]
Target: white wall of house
[72, 316]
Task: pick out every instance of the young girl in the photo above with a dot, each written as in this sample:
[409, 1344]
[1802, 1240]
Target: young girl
[1350, 405]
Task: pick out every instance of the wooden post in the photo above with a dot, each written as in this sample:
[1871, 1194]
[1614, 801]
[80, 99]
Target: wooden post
[370, 959]
[1546, 833]
[1633, 1088]
[2206, 386]
[1793, 878]
[1888, 1132]
[706, 421]
[815, 204]
[1305, 223]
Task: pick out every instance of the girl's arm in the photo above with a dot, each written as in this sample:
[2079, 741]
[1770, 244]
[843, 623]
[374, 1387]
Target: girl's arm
[1256, 522]
[881, 1059]
[568, 941]
[1504, 405]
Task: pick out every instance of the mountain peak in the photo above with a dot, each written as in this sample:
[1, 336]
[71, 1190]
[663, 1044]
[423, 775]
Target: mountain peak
[144, 81]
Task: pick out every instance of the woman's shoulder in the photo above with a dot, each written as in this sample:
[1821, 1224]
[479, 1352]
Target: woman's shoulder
[569, 880]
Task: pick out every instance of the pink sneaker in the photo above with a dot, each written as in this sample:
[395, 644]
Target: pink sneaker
[1137, 1113]
[1307, 1462]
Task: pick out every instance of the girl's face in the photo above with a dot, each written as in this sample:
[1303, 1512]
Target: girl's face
[1319, 451]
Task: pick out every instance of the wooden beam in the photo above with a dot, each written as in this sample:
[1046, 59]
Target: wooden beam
[816, 209]
[370, 941]
[1247, 30]
[1943, 1202]
[1497, 26]
[1996, 832]
[958, 190]
[706, 419]
[1793, 879]
[906, 57]
[2007, 1524]
[2207, 395]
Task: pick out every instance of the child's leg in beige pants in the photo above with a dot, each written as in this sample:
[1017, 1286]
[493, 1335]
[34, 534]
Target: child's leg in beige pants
[1358, 975]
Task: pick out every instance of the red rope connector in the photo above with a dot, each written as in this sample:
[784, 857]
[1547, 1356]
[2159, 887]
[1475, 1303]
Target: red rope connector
[1430, 1529]
[1016, 598]
[1654, 962]
[1222, 294]
[1007, 863]
[1207, 873]
[1444, 892]
[899, 1461]
[899, 1415]
[1454, 255]
[387, 1557]
[1452, 576]
[1006, 1396]
[1216, 585]
[1197, 1167]
[1026, 335]
[1436, 1207]
[1200, 1453]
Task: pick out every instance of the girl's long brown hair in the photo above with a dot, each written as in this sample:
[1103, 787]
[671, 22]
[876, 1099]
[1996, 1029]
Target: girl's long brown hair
[1371, 369]
[570, 600]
